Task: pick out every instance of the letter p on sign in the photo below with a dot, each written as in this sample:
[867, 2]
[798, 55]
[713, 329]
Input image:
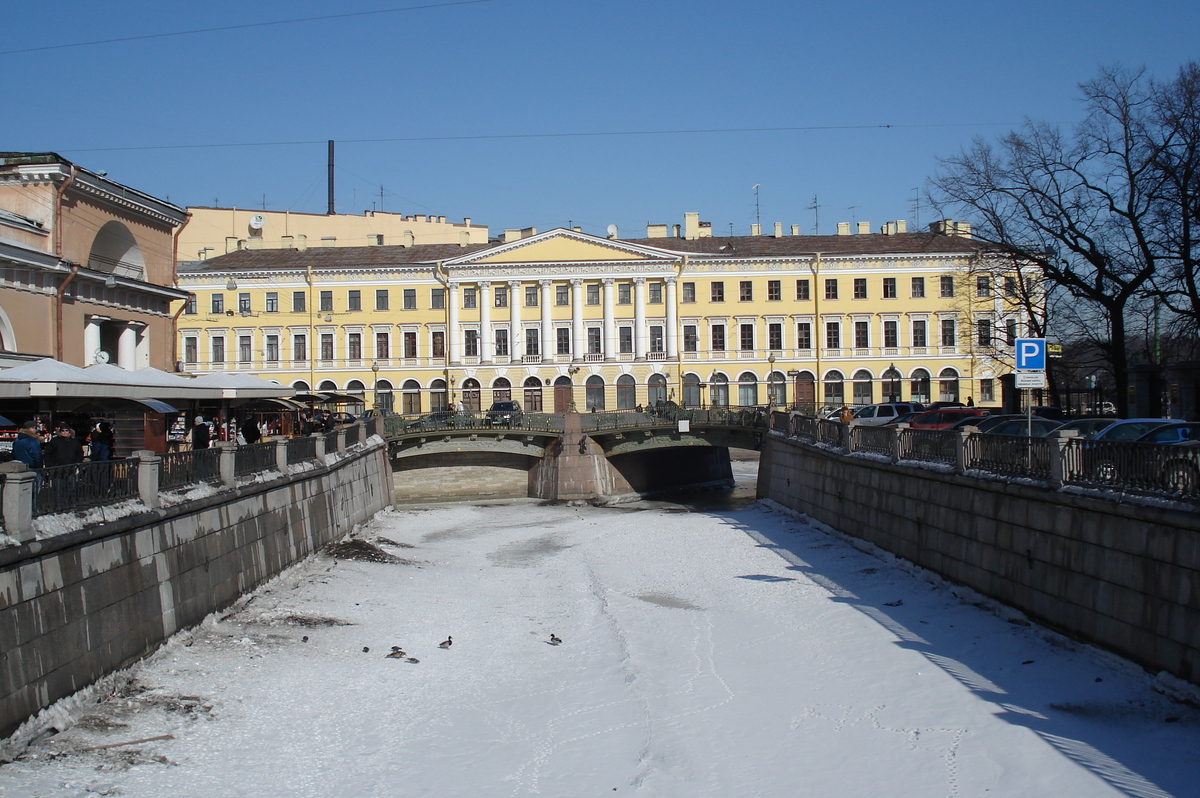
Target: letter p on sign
[1031, 354]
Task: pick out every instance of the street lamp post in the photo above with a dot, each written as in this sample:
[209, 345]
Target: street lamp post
[771, 381]
[375, 381]
[893, 383]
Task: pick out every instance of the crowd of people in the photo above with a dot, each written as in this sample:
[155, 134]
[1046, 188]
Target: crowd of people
[62, 446]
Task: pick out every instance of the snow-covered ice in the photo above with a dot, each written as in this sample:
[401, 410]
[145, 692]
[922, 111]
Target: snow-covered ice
[722, 653]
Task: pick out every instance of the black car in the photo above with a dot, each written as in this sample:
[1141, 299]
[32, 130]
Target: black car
[503, 414]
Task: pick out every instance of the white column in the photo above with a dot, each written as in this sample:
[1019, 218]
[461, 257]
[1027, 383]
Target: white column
[577, 344]
[547, 325]
[452, 337]
[610, 323]
[485, 322]
[640, 333]
[672, 321]
[91, 341]
[127, 348]
[514, 321]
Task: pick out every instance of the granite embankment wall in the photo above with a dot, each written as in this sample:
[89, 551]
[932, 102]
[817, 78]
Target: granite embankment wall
[78, 606]
[1125, 577]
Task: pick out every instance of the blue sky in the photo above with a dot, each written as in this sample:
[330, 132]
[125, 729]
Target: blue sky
[461, 76]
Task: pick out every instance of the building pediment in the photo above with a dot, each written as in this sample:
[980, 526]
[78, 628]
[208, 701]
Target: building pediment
[563, 246]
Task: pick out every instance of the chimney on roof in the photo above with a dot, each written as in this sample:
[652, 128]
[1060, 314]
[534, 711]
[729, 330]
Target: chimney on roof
[756, 229]
[657, 230]
[464, 238]
[510, 235]
[301, 242]
[779, 229]
[407, 239]
[691, 226]
[466, 221]
[864, 228]
[949, 227]
[795, 229]
[843, 228]
[231, 244]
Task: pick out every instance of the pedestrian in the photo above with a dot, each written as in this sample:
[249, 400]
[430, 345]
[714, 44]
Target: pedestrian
[27, 448]
[970, 401]
[306, 424]
[250, 433]
[845, 416]
[103, 441]
[460, 408]
[64, 448]
[200, 434]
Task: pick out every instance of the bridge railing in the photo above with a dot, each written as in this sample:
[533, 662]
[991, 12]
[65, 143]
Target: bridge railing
[1160, 469]
[29, 494]
[596, 421]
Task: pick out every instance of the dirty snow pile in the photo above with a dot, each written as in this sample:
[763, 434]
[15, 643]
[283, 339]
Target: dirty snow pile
[730, 653]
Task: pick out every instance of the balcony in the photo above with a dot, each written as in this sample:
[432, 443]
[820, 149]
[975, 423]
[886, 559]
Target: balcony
[656, 355]
[531, 360]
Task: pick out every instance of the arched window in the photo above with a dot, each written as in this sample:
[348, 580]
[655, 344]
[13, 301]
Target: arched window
[691, 390]
[116, 251]
[863, 391]
[439, 400]
[383, 395]
[891, 384]
[748, 389]
[718, 390]
[656, 390]
[806, 392]
[470, 395]
[300, 386]
[327, 386]
[594, 392]
[410, 394]
[626, 392]
[356, 388]
[835, 392]
[777, 388]
[501, 390]
[919, 386]
[948, 386]
[533, 394]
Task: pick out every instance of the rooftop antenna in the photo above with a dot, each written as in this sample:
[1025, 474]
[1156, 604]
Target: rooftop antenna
[853, 215]
[264, 202]
[381, 199]
[816, 209]
[757, 215]
[917, 206]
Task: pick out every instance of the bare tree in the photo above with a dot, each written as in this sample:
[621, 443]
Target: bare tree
[1081, 208]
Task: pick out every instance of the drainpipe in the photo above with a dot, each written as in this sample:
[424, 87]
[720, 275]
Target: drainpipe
[59, 194]
[815, 267]
[175, 282]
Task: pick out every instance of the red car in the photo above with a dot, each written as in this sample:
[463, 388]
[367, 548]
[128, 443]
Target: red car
[946, 417]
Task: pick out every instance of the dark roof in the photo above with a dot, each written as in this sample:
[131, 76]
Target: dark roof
[734, 247]
[785, 246]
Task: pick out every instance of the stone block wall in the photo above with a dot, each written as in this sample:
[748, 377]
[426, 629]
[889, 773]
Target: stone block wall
[1125, 577]
[76, 607]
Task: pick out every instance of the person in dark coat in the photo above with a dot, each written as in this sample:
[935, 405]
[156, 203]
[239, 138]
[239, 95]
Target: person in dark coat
[27, 448]
[103, 441]
[64, 448]
[200, 434]
[328, 424]
[249, 430]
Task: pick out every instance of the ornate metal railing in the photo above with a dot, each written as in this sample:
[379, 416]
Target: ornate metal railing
[331, 442]
[352, 434]
[1158, 468]
[929, 445]
[178, 469]
[1010, 455]
[301, 450]
[873, 439]
[254, 458]
[59, 489]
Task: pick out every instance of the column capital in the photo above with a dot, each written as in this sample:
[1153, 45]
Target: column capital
[484, 284]
[639, 280]
[608, 280]
[452, 286]
[545, 282]
[670, 280]
[514, 284]
[577, 281]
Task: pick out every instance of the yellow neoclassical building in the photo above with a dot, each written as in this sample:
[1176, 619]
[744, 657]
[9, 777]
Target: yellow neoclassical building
[562, 317]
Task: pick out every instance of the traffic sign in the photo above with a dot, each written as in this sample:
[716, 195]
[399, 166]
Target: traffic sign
[1030, 379]
[1031, 354]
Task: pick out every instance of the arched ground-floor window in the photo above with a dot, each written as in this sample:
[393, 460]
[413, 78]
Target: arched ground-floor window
[501, 390]
[357, 389]
[748, 389]
[594, 392]
[470, 395]
[835, 392]
[439, 400]
[656, 390]
[691, 390]
[718, 390]
[626, 392]
[919, 386]
[777, 389]
[948, 386]
[563, 394]
[533, 395]
[806, 392]
[383, 395]
[863, 389]
[410, 397]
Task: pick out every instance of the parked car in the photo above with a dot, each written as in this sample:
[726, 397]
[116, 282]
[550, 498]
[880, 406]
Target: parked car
[879, 414]
[504, 414]
[435, 420]
[1086, 427]
[940, 405]
[944, 418]
[1047, 411]
[1105, 463]
[1037, 427]
[985, 422]
[1129, 429]
[1181, 432]
[903, 418]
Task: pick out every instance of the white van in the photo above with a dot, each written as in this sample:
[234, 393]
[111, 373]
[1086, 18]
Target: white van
[875, 415]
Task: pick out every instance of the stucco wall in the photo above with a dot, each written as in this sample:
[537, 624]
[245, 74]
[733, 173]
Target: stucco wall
[1124, 577]
[76, 607]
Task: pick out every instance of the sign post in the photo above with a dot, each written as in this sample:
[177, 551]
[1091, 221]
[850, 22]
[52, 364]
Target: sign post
[1031, 372]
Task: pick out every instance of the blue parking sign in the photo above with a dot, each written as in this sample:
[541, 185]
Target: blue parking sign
[1031, 354]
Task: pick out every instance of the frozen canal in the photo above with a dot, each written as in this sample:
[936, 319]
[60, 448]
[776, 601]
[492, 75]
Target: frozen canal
[734, 652]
